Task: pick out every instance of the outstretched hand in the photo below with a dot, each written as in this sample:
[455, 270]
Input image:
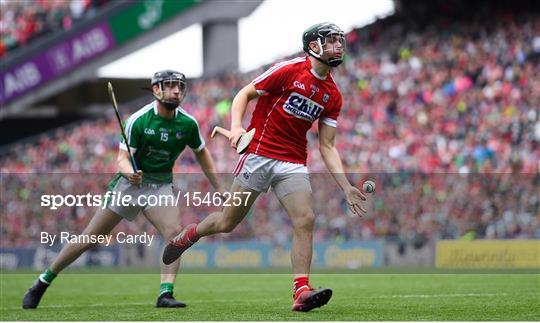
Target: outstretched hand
[355, 199]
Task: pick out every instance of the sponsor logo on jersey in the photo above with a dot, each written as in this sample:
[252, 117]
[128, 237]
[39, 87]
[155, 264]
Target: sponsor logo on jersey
[299, 85]
[158, 154]
[302, 107]
[149, 131]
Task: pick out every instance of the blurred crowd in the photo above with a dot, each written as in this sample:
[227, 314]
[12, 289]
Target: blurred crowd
[22, 21]
[443, 114]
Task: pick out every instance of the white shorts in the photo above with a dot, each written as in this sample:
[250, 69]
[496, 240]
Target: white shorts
[260, 173]
[133, 208]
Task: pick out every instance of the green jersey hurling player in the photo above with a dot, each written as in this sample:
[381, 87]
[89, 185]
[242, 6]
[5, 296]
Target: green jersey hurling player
[156, 134]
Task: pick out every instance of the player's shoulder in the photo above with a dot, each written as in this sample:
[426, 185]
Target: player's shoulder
[142, 113]
[334, 94]
[296, 62]
[282, 68]
[330, 80]
[183, 115]
[333, 85]
[337, 95]
[150, 107]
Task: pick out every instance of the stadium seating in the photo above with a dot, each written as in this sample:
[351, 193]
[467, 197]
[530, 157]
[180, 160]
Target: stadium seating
[444, 115]
[26, 20]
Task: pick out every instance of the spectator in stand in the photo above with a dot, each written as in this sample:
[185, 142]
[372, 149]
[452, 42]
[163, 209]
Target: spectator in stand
[22, 21]
[448, 114]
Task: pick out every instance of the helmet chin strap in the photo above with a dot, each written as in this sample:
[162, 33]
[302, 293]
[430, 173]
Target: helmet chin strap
[320, 53]
[332, 62]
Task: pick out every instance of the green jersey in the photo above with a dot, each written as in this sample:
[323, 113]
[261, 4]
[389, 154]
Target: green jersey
[157, 142]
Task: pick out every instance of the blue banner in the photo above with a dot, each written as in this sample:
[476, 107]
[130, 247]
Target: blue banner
[41, 257]
[250, 254]
[240, 254]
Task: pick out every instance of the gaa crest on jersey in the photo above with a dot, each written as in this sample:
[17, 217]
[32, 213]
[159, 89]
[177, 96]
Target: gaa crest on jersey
[302, 107]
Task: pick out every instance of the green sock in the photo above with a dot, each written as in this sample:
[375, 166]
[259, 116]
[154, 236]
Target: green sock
[166, 288]
[47, 277]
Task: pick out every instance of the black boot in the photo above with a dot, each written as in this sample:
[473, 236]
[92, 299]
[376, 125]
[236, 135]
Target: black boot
[167, 300]
[33, 295]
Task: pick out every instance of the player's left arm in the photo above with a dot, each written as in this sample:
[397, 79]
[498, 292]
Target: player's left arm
[332, 160]
[207, 165]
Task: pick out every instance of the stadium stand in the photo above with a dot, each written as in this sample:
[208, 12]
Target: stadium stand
[443, 111]
[24, 21]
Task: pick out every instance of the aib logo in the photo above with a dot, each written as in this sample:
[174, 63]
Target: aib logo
[302, 107]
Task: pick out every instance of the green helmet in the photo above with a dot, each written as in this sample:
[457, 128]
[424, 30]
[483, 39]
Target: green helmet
[319, 33]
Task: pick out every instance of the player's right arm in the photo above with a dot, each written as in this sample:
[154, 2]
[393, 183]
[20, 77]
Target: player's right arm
[238, 110]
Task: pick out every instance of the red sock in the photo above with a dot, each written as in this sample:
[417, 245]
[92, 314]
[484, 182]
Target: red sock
[300, 284]
[192, 234]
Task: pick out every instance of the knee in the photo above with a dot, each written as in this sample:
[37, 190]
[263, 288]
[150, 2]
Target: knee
[304, 221]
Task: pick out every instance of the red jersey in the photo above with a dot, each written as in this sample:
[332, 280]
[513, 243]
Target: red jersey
[291, 97]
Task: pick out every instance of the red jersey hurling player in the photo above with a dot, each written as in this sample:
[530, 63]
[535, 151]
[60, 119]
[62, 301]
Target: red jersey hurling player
[292, 95]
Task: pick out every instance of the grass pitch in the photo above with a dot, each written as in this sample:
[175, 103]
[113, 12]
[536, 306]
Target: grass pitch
[88, 296]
